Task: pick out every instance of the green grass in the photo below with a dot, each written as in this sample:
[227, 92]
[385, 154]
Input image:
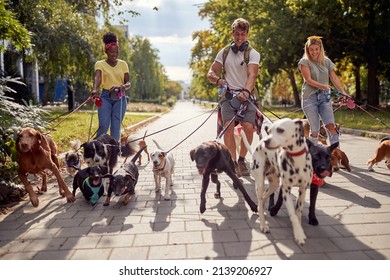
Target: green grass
[348, 118]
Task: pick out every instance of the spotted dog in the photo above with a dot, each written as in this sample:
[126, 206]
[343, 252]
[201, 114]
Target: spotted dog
[283, 157]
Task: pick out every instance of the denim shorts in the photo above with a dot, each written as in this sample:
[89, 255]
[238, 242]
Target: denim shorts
[317, 106]
[228, 113]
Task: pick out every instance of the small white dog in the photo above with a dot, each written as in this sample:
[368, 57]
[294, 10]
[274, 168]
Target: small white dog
[163, 166]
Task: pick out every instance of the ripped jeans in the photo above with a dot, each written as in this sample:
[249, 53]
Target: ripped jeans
[316, 106]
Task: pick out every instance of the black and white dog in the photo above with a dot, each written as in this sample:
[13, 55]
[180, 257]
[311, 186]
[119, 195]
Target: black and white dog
[104, 150]
[283, 157]
[321, 161]
[101, 151]
[90, 182]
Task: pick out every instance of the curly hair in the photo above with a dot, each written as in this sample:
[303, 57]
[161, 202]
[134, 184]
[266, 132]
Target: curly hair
[241, 23]
[109, 37]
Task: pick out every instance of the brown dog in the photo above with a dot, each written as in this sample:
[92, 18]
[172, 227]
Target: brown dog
[35, 154]
[141, 145]
[323, 136]
[381, 153]
[339, 159]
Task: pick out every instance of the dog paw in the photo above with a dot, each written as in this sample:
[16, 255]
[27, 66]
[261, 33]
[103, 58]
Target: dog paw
[299, 236]
[254, 208]
[273, 211]
[157, 190]
[70, 198]
[167, 198]
[34, 201]
[264, 227]
[217, 195]
[202, 209]
[313, 221]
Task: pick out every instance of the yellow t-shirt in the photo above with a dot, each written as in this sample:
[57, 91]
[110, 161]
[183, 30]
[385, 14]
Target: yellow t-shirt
[112, 76]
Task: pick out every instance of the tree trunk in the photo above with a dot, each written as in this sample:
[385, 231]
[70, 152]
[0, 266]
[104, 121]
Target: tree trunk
[297, 101]
[373, 83]
[45, 91]
[358, 95]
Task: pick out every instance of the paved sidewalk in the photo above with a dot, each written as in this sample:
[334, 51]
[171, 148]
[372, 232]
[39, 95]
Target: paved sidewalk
[353, 210]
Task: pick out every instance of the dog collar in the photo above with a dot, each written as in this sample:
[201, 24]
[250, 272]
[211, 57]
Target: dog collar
[297, 154]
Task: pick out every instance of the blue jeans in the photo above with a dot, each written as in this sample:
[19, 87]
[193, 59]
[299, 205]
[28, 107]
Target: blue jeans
[110, 115]
[316, 106]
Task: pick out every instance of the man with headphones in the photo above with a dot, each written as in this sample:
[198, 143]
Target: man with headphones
[237, 75]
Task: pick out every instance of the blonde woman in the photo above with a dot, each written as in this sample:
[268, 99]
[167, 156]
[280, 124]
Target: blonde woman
[317, 69]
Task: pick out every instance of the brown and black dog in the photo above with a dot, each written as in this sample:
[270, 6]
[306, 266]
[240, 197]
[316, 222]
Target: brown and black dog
[339, 160]
[36, 153]
[141, 145]
[381, 153]
[212, 158]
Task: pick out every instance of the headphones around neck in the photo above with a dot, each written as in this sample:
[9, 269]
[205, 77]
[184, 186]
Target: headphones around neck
[242, 48]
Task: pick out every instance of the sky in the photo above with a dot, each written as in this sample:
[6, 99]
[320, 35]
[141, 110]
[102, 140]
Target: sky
[169, 30]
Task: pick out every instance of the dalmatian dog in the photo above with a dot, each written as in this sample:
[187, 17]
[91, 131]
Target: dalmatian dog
[283, 157]
[163, 166]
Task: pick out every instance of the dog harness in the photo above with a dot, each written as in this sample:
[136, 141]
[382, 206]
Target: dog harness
[95, 190]
[75, 164]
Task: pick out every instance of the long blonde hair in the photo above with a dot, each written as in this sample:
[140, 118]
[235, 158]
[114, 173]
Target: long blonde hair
[315, 40]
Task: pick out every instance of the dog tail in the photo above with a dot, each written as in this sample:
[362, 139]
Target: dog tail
[136, 156]
[127, 149]
[246, 143]
[75, 144]
[157, 145]
[143, 138]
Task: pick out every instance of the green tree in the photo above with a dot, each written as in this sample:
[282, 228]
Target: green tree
[354, 31]
[148, 78]
[11, 29]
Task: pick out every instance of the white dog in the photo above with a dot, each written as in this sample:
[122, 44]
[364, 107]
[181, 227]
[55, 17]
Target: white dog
[282, 156]
[163, 166]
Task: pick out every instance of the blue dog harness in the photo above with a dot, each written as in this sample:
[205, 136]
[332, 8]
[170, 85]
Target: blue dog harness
[95, 190]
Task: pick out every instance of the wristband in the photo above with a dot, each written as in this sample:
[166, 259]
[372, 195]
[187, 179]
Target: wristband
[218, 81]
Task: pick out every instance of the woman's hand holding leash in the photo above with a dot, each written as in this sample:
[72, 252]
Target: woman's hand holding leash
[95, 98]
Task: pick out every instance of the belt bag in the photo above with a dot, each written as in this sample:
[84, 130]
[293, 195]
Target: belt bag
[116, 93]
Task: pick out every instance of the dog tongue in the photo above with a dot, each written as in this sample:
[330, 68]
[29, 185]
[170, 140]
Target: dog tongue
[325, 173]
[96, 182]
[201, 171]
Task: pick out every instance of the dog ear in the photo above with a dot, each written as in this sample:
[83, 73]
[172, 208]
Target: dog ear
[192, 154]
[43, 141]
[104, 169]
[309, 143]
[266, 127]
[333, 146]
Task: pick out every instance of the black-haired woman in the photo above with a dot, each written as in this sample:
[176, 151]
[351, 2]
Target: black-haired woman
[112, 75]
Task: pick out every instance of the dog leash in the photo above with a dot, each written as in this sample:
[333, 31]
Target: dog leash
[67, 115]
[194, 130]
[169, 127]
